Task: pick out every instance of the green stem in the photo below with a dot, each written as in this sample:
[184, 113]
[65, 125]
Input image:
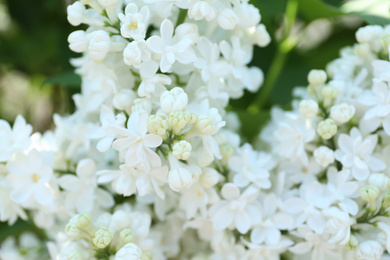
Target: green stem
[181, 18]
[286, 45]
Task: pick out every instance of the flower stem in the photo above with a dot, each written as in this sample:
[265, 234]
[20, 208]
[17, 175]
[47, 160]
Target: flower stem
[181, 18]
[286, 44]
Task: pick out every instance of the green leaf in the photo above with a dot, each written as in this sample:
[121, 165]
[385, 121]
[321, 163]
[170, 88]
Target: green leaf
[315, 9]
[371, 11]
[68, 79]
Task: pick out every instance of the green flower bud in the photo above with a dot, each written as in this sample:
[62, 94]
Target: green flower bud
[126, 235]
[84, 220]
[102, 238]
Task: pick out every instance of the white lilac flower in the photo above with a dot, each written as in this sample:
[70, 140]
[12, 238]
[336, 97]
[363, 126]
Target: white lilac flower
[30, 179]
[134, 22]
[84, 185]
[14, 139]
[292, 135]
[171, 50]
[236, 209]
[135, 143]
[105, 133]
[355, 153]
[251, 167]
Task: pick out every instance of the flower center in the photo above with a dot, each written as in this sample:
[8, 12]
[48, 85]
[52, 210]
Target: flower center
[133, 26]
[35, 177]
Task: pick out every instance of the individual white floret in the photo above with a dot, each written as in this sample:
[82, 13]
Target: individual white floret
[379, 180]
[179, 178]
[136, 52]
[355, 153]
[134, 22]
[170, 50]
[158, 124]
[30, 179]
[201, 9]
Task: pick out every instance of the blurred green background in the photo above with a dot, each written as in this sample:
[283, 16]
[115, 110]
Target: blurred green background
[36, 79]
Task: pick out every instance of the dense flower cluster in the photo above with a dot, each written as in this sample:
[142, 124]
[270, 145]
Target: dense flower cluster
[150, 166]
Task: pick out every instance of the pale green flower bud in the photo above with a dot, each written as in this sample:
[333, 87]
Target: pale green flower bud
[326, 129]
[362, 50]
[157, 124]
[177, 120]
[84, 220]
[205, 125]
[329, 92]
[308, 108]
[190, 116]
[352, 243]
[102, 238]
[147, 255]
[72, 231]
[182, 150]
[370, 194]
[126, 235]
[316, 77]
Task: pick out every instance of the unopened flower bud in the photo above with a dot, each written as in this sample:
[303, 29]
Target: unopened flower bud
[174, 100]
[370, 194]
[209, 177]
[329, 92]
[129, 251]
[75, 13]
[326, 129]
[190, 116]
[177, 120]
[102, 238]
[126, 235]
[342, 113]
[228, 19]
[78, 41]
[362, 50]
[205, 125]
[308, 108]
[157, 124]
[369, 249]
[316, 77]
[179, 179]
[84, 220]
[182, 150]
[99, 45]
[386, 201]
[72, 231]
[379, 180]
[324, 156]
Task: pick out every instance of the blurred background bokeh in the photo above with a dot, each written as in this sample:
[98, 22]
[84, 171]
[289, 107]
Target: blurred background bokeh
[37, 80]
